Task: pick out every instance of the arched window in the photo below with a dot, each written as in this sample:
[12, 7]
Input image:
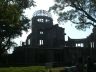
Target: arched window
[40, 20]
[92, 44]
[40, 42]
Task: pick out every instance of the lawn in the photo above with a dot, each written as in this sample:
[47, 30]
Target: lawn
[24, 69]
[31, 69]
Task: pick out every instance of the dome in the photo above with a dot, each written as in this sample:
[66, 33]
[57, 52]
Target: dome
[42, 13]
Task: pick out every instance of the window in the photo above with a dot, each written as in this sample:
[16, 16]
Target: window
[41, 32]
[40, 20]
[79, 45]
[47, 20]
[92, 44]
[40, 42]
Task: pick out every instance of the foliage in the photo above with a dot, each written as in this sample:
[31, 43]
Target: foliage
[81, 12]
[12, 21]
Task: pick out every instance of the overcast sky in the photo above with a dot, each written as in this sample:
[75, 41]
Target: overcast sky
[69, 27]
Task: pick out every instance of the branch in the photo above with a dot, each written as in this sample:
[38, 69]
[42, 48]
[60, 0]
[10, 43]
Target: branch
[90, 23]
[86, 23]
[88, 16]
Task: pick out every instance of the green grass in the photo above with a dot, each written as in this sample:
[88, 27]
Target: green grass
[24, 69]
[31, 69]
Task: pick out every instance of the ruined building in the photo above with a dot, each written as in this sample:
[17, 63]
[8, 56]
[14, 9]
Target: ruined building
[44, 33]
[46, 45]
[42, 44]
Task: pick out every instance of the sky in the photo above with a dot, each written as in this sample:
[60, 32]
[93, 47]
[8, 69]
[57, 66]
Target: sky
[70, 29]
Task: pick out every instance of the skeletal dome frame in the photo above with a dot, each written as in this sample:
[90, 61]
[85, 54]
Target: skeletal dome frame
[42, 13]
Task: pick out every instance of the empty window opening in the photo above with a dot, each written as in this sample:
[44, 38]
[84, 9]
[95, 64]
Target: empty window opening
[41, 32]
[82, 45]
[76, 45]
[40, 20]
[40, 42]
[92, 44]
[79, 45]
[47, 20]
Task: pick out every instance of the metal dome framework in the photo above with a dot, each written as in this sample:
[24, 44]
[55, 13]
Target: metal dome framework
[42, 13]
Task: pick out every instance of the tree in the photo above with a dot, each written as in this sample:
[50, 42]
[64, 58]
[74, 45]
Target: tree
[12, 21]
[82, 12]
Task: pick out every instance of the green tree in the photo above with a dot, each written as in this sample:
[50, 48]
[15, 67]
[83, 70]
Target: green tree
[12, 21]
[82, 12]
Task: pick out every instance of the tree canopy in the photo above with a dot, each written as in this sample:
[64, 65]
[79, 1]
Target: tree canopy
[12, 21]
[82, 12]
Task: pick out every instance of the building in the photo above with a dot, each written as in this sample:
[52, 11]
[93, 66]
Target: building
[44, 33]
[46, 45]
[42, 45]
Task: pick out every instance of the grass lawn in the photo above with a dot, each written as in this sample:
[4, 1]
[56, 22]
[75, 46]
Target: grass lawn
[24, 69]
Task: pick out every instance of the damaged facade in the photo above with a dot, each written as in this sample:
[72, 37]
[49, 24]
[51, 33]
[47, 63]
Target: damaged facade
[44, 33]
[46, 45]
